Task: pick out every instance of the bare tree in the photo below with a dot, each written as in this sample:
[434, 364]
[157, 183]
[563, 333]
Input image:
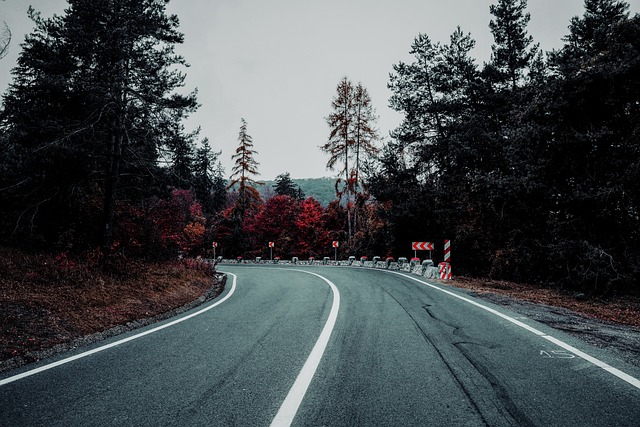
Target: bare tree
[341, 139]
[5, 40]
[365, 136]
[352, 135]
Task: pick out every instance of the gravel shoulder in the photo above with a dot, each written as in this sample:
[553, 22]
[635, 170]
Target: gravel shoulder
[623, 340]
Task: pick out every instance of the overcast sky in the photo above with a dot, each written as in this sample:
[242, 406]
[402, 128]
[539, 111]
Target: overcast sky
[276, 63]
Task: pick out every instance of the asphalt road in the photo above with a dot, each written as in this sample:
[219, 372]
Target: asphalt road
[330, 346]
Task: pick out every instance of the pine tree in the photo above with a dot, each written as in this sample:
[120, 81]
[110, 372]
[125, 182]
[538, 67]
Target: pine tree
[511, 53]
[182, 157]
[457, 77]
[592, 166]
[440, 95]
[219, 189]
[414, 94]
[450, 143]
[245, 167]
[247, 197]
[592, 32]
[285, 186]
[89, 109]
[204, 175]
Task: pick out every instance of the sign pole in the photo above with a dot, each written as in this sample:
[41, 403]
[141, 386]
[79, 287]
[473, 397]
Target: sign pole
[271, 245]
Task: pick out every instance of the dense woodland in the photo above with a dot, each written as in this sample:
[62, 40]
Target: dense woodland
[529, 163]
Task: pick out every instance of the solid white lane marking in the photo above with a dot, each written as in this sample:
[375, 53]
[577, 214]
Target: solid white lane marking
[614, 371]
[116, 343]
[597, 362]
[289, 407]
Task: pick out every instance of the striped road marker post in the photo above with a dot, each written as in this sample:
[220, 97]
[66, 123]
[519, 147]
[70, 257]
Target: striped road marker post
[447, 260]
[447, 251]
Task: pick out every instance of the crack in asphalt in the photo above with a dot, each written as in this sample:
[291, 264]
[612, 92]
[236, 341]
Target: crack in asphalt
[449, 367]
[501, 392]
[506, 409]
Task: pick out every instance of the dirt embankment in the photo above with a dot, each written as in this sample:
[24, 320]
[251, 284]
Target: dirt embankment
[49, 304]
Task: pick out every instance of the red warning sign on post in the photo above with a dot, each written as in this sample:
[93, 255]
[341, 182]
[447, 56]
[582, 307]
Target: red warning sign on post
[272, 244]
[422, 246]
[335, 244]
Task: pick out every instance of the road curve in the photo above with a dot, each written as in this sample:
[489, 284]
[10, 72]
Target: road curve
[398, 352]
[405, 353]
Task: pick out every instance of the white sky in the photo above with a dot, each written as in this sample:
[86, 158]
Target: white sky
[276, 63]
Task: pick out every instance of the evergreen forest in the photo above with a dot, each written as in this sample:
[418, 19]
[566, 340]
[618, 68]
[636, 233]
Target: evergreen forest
[528, 162]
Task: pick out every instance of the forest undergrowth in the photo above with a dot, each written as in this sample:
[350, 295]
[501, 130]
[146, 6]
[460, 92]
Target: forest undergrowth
[48, 300]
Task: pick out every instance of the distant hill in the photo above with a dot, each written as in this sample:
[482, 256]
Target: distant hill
[322, 189]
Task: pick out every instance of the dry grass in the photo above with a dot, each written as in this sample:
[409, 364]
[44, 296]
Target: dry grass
[47, 300]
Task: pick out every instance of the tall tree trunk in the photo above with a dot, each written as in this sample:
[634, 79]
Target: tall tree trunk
[432, 100]
[110, 189]
[355, 184]
[115, 153]
[346, 175]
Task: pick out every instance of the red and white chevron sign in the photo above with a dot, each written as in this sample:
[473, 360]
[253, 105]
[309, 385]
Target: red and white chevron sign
[422, 246]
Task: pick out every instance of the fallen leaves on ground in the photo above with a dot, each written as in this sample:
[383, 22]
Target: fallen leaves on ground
[48, 300]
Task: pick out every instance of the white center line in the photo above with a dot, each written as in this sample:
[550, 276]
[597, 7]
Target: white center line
[292, 402]
[116, 343]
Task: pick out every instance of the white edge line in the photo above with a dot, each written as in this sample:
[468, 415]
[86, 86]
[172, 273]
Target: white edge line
[291, 403]
[116, 343]
[597, 362]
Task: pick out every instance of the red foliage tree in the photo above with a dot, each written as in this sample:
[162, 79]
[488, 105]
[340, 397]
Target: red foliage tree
[313, 236]
[179, 222]
[274, 222]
